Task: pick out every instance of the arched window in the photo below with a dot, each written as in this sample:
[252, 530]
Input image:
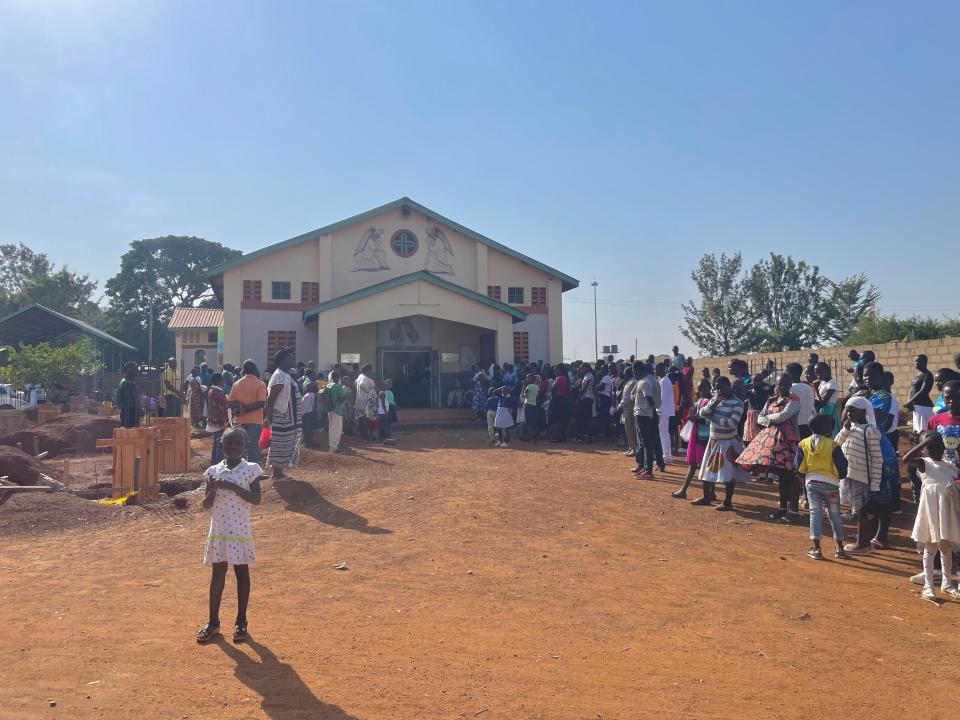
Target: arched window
[199, 356]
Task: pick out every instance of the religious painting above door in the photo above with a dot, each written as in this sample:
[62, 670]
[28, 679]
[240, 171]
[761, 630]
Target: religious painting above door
[404, 243]
[439, 253]
[405, 331]
[369, 255]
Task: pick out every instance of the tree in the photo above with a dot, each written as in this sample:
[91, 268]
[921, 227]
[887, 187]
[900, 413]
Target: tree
[45, 364]
[788, 300]
[155, 276]
[874, 329]
[848, 301]
[28, 277]
[721, 324]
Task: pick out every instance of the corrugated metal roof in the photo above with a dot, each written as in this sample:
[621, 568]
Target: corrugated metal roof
[36, 323]
[193, 317]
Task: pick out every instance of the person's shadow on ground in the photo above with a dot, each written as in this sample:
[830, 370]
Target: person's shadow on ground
[285, 695]
[302, 497]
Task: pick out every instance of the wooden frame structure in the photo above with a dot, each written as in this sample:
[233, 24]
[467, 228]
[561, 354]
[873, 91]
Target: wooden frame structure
[173, 448]
[134, 460]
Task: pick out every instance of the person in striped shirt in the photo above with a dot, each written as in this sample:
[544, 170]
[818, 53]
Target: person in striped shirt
[724, 447]
[859, 439]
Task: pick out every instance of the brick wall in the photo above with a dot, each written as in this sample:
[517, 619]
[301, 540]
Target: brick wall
[896, 357]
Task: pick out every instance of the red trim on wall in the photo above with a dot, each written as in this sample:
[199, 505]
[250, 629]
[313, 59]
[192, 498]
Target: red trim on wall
[262, 305]
[208, 346]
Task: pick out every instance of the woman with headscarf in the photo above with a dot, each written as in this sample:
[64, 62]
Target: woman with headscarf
[282, 415]
[365, 406]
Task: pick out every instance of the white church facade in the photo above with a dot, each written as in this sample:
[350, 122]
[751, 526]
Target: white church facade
[415, 294]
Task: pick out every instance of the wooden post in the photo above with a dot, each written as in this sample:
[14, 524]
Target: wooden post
[36, 445]
[136, 474]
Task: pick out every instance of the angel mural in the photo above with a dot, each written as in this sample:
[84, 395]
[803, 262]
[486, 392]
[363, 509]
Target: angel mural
[438, 251]
[369, 255]
[404, 333]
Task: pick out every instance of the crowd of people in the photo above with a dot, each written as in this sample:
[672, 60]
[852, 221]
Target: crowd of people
[279, 411]
[826, 448]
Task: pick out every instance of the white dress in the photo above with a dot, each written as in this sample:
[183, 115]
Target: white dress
[230, 538]
[938, 512]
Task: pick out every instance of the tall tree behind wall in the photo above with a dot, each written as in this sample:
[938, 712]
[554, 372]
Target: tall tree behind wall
[788, 299]
[155, 276]
[721, 323]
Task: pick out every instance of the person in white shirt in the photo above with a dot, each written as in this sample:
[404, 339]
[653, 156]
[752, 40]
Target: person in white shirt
[678, 360]
[805, 394]
[666, 411]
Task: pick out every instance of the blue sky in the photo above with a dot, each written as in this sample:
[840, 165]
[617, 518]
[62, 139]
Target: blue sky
[614, 141]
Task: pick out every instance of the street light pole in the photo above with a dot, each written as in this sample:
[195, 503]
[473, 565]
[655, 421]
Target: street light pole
[596, 345]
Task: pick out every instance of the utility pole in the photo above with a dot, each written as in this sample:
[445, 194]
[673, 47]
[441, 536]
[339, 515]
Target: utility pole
[150, 337]
[596, 345]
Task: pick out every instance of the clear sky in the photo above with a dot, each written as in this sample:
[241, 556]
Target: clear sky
[616, 142]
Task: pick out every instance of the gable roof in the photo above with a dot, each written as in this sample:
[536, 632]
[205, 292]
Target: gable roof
[405, 280]
[185, 318]
[36, 323]
[568, 283]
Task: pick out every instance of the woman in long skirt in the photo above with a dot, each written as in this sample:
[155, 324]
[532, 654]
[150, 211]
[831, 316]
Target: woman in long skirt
[283, 415]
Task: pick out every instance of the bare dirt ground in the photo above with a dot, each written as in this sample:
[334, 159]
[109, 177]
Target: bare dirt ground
[530, 582]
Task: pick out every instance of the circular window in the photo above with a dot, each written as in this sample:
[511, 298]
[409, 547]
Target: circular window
[404, 243]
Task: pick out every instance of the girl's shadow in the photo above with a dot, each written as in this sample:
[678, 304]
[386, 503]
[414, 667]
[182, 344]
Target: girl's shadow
[285, 695]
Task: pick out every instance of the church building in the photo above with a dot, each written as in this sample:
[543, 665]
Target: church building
[420, 297]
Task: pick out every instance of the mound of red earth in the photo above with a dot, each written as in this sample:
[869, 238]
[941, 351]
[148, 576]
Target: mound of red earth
[38, 513]
[67, 433]
[21, 468]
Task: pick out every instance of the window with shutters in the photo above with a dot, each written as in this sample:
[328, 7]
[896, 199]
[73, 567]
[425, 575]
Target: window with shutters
[280, 290]
[310, 293]
[538, 296]
[521, 346]
[515, 295]
[252, 290]
[493, 291]
[277, 340]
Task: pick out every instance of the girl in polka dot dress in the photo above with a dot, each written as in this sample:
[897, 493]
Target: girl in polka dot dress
[233, 485]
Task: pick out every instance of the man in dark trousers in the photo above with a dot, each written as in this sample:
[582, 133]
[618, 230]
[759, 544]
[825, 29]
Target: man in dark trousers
[128, 397]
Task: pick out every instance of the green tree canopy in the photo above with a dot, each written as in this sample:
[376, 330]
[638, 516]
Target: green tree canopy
[786, 298]
[45, 364]
[873, 329]
[28, 277]
[155, 276]
[721, 323]
[848, 301]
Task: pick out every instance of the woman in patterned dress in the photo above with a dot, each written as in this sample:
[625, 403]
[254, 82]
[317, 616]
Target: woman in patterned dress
[233, 485]
[774, 449]
[283, 415]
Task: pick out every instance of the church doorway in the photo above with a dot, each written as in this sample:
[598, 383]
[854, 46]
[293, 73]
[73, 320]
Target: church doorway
[412, 373]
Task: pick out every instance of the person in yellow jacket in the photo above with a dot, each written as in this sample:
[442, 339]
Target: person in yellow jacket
[823, 464]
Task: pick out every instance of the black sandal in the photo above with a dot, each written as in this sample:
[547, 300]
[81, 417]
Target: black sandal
[240, 632]
[207, 633]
